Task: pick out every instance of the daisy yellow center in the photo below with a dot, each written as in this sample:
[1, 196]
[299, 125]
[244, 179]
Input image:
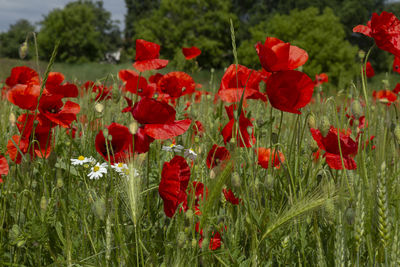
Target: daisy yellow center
[96, 168]
[81, 158]
[171, 145]
[120, 165]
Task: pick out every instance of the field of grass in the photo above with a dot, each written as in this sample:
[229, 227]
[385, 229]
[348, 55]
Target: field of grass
[278, 200]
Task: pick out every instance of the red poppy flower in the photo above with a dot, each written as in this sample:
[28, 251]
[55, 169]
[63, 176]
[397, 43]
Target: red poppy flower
[330, 144]
[191, 52]
[320, 79]
[216, 155]
[3, 167]
[24, 96]
[142, 141]
[243, 136]
[361, 121]
[54, 86]
[215, 240]
[22, 75]
[384, 96]
[135, 84]
[276, 55]
[265, 155]
[147, 56]
[120, 146]
[235, 81]
[159, 119]
[200, 194]
[198, 128]
[289, 90]
[385, 29]
[396, 90]
[230, 197]
[176, 84]
[369, 70]
[155, 78]
[175, 177]
[52, 108]
[396, 64]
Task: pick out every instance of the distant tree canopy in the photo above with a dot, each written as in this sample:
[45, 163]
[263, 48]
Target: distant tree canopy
[202, 23]
[11, 40]
[85, 31]
[321, 35]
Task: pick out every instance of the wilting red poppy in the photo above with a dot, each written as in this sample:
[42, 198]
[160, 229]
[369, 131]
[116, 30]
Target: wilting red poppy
[244, 138]
[330, 144]
[147, 56]
[235, 80]
[384, 96]
[320, 79]
[22, 75]
[191, 52]
[176, 84]
[369, 70]
[216, 155]
[102, 91]
[3, 167]
[135, 84]
[215, 240]
[53, 108]
[396, 90]
[24, 96]
[385, 29]
[54, 86]
[230, 197]
[276, 55]
[120, 146]
[289, 90]
[265, 156]
[159, 119]
[175, 177]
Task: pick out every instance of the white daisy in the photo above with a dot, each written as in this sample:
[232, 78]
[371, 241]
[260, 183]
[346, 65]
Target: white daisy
[98, 170]
[173, 147]
[119, 167]
[82, 160]
[189, 153]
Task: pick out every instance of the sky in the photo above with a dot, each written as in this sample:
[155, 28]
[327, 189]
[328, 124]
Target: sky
[34, 10]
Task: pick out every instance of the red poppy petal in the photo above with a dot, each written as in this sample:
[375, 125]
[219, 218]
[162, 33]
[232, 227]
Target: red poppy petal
[3, 166]
[335, 162]
[363, 29]
[167, 131]
[150, 64]
[191, 52]
[232, 95]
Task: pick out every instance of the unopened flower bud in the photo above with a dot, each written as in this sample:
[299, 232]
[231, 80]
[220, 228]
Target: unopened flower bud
[311, 122]
[274, 137]
[189, 215]
[194, 243]
[361, 54]
[109, 138]
[269, 182]
[325, 126]
[313, 146]
[133, 127]
[212, 174]
[105, 133]
[205, 243]
[99, 107]
[181, 239]
[99, 208]
[60, 182]
[12, 119]
[235, 180]
[23, 50]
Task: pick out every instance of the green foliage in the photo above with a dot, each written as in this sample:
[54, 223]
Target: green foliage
[84, 29]
[202, 23]
[321, 35]
[11, 40]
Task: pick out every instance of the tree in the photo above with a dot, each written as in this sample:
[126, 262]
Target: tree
[11, 40]
[202, 23]
[85, 31]
[321, 35]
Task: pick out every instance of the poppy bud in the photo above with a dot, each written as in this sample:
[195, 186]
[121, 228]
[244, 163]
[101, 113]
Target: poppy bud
[99, 208]
[181, 239]
[313, 145]
[235, 180]
[196, 139]
[133, 127]
[396, 132]
[60, 182]
[43, 204]
[12, 119]
[99, 107]
[204, 247]
[194, 243]
[109, 138]
[212, 174]
[361, 54]
[274, 137]
[325, 126]
[311, 122]
[269, 182]
[23, 50]
[105, 133]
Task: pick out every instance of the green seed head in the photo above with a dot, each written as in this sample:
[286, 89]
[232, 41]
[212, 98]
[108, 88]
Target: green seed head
[325, 125]
[356, 109]
[311, 122]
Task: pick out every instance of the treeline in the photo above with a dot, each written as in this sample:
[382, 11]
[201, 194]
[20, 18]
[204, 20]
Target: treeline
[322, 27]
